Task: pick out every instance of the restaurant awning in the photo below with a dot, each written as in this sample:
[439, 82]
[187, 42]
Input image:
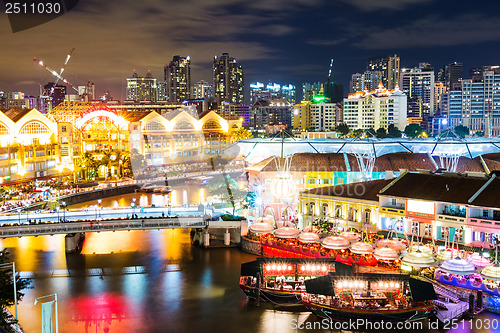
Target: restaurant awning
[421, 290]
[320, 286]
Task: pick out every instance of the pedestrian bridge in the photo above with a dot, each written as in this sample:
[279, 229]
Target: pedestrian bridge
[114, 225]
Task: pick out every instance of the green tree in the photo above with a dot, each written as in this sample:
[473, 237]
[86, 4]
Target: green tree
[480, 134]
[413, 130]
[227, 190]
[7, 321]
[87, 164]
[241, 134]
[137, 160]
[393, 131]
[461, 130]
[381, 133]
[342, 129]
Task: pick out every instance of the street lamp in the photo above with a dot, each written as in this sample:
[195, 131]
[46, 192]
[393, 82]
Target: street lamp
[19, 215]
[99, 202]
[55, 301]
[15, 287]
[57, 208]
[133, 207]
[63, 204]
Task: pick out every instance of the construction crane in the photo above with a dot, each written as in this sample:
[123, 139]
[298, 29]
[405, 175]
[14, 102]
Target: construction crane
[53, 72]
[330, 71]
[85, 95]
[65, 63]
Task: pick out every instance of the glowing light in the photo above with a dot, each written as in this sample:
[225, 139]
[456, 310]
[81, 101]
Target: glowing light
[302, 268]
[397, 285]
[279, 267]
[391, 284]
[323, 268]
[114, 118]
[340, 284]
[308, 267]
[21, 172]
[356, 284]
[351, 284]
[273, 266]
[386, 285]
[406, 268]
[318, 267]
[289, 268]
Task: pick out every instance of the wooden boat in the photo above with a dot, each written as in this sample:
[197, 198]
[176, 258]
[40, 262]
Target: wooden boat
[281, 280]
[345, 295]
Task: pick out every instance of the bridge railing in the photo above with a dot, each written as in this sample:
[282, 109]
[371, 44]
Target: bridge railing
[72, 227]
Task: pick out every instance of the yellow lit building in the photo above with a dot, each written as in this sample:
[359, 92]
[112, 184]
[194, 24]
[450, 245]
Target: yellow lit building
[353, 205]
[34, 145]
[301, 116]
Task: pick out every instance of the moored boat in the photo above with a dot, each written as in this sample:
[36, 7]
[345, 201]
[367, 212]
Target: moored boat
[281, 280]
[372, 296]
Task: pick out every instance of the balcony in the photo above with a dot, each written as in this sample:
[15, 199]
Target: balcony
[485, 222]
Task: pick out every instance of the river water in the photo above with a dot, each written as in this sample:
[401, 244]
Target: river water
[148, 281]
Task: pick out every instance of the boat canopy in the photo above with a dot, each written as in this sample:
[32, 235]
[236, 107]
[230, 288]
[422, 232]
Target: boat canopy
[251, 268]
[421, 290]
[322, 285]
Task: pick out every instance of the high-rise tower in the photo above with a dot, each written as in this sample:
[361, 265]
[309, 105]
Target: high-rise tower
[228, 79]
[178, 79]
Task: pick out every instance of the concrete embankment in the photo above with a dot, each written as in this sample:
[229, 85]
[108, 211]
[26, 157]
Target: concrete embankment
[90, 195]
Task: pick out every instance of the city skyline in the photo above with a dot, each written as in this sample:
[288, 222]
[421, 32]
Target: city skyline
[279, 41]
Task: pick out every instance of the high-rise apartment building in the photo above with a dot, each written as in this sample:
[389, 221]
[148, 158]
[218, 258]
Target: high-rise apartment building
[325, 116]
[477, 104]
[270, 112]
[228, 79]
[369, 80]
[451, 75]
[418, 85]
[141, 89]
[309, 90]
[376, 109]
[301, 116]
[178, 79]
[234, 111]
[260, 90]
[389, 67]
[203, 90]
[57, 93]
[439, 90]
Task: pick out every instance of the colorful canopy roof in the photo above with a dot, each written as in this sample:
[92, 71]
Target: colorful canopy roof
[287, 232]
[261, 227]
[335, 242]
[308, 237]
[491, 273]
[479, 261]
[350, 235]
[392, 243]
[386, 253]
[446, 255]
[419, 258]
[361, 248]
[310, 228]
[422, 248]
[458, 266]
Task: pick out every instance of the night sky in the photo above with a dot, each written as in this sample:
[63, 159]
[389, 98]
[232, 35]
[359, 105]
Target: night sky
[285, 41]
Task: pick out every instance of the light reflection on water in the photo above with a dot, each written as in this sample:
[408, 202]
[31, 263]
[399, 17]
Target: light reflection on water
[183, 289]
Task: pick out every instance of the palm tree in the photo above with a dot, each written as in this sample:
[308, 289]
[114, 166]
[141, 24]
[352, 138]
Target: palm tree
[241, 134]
[86, 162]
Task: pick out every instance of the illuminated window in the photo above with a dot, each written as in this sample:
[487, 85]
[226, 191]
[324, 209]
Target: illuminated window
[415, 228]
[34, 127]
[4, 130]
[212, 124]
[183, 125]
[428, 230]
[154, 126]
